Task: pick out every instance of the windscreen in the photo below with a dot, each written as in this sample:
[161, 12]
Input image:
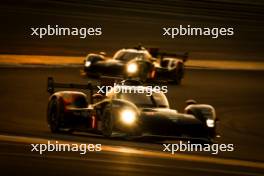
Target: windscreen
[144, 100]
[127, 56]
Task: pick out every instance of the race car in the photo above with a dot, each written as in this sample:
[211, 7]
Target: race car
[129, 108]
[137, 63]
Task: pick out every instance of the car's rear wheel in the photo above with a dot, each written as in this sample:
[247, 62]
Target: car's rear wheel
[55, 114]
[178, 74]
[107, 122]
[176, 81]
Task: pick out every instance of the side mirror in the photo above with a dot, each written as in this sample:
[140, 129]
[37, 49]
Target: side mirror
[190, 102]
[102, 53]
[97, 97]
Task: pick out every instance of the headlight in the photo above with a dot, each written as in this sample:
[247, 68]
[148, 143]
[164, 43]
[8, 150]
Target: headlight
[210, 123]
[88, 63]
[128, 116]
[132, 68]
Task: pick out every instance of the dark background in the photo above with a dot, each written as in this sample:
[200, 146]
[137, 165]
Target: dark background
[127, 23]
[237, 95]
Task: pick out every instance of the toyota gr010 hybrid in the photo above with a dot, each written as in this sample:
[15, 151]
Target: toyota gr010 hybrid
[127, 111]
[137, 63]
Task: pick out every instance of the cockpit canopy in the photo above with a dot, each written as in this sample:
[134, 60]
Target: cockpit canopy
[141, 96]
[130, 54]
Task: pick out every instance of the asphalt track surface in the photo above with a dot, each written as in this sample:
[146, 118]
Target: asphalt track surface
[236, 95]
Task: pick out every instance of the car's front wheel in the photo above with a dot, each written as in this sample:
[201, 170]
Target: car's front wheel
[55, 115]
[107, 122]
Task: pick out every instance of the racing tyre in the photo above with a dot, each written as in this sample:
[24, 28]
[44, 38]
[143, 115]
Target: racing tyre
[176, 81]
[178, 74]
[55, 115]
[107, 122]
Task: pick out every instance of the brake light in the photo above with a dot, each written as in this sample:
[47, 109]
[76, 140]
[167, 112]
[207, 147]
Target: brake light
[93, 121]
[153, 73]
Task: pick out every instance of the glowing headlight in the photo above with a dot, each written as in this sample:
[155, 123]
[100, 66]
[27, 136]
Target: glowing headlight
[210, 123]
[132, 68]
[87, 63]
[128, 116]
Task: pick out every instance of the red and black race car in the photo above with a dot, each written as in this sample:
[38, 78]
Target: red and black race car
[138, 63]
[126, 111]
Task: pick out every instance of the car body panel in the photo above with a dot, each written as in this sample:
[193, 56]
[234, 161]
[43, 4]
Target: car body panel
[155, 118]
[149, 67]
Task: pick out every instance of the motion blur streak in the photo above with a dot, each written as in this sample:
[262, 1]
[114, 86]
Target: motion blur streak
[146, 153]
[140, 164]
[12, 59]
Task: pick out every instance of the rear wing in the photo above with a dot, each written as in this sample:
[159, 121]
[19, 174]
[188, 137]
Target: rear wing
[92, 88]
[158, 54]
[52, 85]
